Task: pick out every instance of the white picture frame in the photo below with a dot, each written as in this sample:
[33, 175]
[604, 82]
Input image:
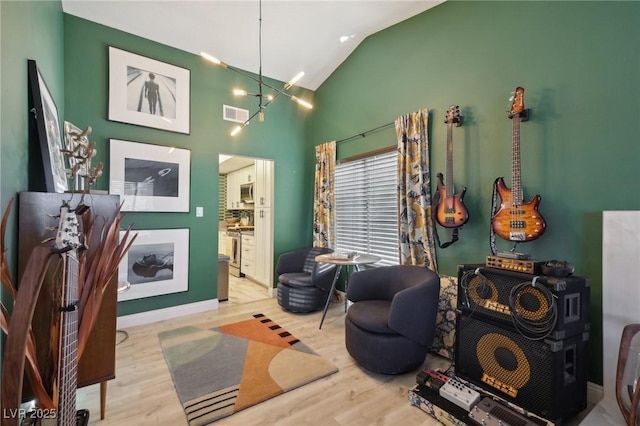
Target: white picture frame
[150, 178]
[149, 93]
[145, 267]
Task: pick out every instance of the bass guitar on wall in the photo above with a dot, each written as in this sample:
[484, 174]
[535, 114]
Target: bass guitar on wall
[516, 220]
[450, 211]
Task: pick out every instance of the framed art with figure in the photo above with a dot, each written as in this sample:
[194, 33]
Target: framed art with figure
[148, 93]
[150, 178]
[157, 263]
[46, 126]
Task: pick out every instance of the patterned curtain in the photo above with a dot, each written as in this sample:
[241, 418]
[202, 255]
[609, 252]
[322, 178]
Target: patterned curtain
[414, 191]
[323, 201]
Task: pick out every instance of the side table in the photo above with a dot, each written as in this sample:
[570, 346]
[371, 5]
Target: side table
[349, 263]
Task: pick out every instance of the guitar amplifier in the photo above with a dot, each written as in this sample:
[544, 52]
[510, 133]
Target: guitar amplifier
[545, 377]
[558, 305]
[518, 265]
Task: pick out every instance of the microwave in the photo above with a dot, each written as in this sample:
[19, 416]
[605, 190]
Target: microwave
[246, 193]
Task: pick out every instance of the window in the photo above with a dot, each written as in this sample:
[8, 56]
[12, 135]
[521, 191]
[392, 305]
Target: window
[367, 207]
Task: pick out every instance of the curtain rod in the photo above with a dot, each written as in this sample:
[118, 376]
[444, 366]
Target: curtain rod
[363, 134]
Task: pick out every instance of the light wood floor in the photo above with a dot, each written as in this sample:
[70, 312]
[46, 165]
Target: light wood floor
[143, 393]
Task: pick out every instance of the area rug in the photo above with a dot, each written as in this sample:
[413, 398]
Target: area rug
[222, 370]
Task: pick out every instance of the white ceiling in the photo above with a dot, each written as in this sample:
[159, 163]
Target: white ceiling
[297, 35]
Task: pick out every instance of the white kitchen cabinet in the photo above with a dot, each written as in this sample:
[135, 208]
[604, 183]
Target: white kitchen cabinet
[247, 175]
[248, 256]
[233, 191]
[263, 188]
[263, 244]
[234, 180]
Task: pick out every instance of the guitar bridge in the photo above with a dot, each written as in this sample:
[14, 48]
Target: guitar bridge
[517, 236]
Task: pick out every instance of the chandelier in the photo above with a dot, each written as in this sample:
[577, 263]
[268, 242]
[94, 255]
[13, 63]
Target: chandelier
[264, 99]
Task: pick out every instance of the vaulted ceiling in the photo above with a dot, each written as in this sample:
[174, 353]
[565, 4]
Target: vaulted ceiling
[297, 35]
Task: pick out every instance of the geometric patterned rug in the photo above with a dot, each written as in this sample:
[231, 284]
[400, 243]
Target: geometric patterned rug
[220, 371]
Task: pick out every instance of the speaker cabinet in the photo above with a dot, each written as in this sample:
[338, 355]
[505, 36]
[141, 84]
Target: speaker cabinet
[546, 377]
[559, 305]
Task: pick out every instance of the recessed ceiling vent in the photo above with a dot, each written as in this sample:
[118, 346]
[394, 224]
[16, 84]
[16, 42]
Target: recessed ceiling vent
[237, 115]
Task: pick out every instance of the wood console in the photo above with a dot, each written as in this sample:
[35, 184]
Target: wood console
[97, 364]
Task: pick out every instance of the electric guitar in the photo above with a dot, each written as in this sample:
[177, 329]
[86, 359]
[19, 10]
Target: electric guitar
[67, 245]
[516, 220]
[450, 212]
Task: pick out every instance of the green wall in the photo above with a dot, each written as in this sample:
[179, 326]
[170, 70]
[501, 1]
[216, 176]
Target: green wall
[29, 30]
[579, 64]
[280, 137]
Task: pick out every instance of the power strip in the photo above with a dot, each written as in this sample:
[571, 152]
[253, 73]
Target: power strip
[459, 394]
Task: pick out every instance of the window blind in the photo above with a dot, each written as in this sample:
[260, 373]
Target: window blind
[366, 207]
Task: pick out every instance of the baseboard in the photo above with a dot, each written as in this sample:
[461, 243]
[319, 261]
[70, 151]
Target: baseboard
[595, 393]
[166, 313]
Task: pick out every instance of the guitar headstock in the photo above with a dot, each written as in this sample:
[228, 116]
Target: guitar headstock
[517, 102]
[68, 234]
[453, 116]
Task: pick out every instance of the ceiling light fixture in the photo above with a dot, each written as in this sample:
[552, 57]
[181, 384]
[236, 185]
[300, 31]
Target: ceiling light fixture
[263, 99]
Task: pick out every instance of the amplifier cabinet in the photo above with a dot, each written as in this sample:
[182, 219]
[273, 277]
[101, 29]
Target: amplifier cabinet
[554, 307]
[546, 377]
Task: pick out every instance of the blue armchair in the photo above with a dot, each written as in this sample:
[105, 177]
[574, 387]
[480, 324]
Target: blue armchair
[390, 326]
[303, 283]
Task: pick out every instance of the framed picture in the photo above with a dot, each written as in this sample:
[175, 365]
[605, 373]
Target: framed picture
[149, 178]
[149, 93]
[47, 131]
[157, 263]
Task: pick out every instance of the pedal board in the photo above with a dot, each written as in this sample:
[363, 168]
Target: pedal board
[490, 413]
[460, 394]
[518, 265]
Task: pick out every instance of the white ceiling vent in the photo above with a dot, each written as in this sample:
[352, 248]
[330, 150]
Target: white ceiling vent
[234, 114]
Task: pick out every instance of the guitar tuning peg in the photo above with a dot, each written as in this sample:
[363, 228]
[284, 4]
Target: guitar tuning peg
[51, 228]
[53, 216]
[46, 240]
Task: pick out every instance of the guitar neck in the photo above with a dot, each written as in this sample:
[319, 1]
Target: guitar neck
[516, 182]
[68, 362]
[448, 182]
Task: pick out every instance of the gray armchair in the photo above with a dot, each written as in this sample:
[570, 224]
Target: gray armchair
[390, 326]
[303, 283]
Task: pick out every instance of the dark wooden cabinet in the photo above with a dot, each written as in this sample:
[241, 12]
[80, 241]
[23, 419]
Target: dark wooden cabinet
[97, 364]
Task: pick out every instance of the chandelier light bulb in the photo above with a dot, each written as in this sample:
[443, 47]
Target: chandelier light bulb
[236, 130]
[301, 102]
[213, 59]
[261, 116]
[294, 80]
[239, 92]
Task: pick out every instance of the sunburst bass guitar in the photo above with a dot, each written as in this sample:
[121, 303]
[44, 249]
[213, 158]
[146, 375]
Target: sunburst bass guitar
[516, 220]
[450, 211]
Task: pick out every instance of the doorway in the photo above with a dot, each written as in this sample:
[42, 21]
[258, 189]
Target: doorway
[246, 225]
